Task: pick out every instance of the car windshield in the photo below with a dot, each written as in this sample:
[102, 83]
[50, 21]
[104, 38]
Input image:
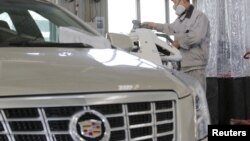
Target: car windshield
[38, 21]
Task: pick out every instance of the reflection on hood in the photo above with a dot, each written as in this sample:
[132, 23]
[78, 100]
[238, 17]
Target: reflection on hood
[116, 58]
[71, 35]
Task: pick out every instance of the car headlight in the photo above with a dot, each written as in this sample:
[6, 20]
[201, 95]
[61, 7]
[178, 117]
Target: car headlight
[202, 116]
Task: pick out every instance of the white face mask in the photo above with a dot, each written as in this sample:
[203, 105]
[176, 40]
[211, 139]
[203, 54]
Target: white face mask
[179, 10]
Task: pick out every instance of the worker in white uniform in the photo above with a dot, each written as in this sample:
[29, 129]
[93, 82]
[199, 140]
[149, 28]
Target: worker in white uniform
[191, 31]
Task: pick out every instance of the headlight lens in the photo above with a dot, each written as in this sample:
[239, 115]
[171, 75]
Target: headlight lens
[201, 111]
[202, 116]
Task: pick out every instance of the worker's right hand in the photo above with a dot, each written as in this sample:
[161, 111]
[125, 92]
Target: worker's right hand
[148, 25]
[176, 44]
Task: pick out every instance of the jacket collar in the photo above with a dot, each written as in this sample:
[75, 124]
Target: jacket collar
[187, 14]
[189, 11]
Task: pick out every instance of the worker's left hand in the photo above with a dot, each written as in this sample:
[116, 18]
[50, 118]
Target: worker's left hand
[176, 44]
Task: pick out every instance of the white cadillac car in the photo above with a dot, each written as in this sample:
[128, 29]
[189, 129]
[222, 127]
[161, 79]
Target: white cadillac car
[61, 81]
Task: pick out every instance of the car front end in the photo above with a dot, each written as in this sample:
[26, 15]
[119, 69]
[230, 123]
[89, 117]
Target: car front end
[81, 90]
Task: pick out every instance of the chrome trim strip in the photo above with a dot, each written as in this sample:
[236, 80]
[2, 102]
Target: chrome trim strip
[164, 111]
[142, 138]
[7, 126]
[115, 115]
[175, 118]
[118, 129]
[45, 124]
[140, 113]
[141, 125]
[28, 119]
[58, 119]
[30, 133]
[59, 132]
[164, 122]
[126, 120]
[165, 134]
[85, 100]
[154, 121]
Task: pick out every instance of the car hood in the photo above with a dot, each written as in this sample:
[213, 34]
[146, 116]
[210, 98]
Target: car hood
[40, 71]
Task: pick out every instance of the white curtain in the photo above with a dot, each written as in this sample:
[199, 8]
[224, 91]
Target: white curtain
[230, 33]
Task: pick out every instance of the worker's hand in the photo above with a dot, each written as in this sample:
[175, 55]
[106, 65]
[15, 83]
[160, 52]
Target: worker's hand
[176, 44]
[148, 25]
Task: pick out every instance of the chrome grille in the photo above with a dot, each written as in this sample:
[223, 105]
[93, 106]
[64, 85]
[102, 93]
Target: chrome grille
[144, 121]
[1, 127]
[3, 138]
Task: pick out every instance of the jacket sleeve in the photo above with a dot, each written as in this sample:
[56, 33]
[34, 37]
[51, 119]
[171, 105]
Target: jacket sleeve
[165, 28]
[195, 34]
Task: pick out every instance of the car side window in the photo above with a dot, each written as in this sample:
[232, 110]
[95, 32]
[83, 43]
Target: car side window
[46, 27]
[4, 17]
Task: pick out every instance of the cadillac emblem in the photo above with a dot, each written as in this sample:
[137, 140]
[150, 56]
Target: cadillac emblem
[91, 128]
[89, 125]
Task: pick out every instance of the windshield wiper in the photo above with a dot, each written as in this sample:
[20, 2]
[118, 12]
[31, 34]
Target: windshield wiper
[45, 44]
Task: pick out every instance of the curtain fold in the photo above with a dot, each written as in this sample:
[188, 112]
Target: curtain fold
[230, 32]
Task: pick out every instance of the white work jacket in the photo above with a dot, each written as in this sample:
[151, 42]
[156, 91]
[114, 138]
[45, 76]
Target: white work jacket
[192, 31]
